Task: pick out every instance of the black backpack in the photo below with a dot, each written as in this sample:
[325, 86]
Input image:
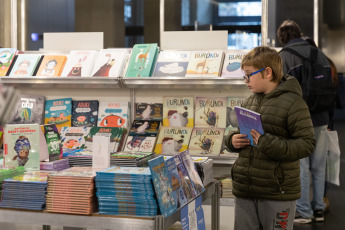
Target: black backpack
[317, 85]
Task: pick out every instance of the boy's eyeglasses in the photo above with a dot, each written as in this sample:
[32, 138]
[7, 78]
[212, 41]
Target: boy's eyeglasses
[246, 77]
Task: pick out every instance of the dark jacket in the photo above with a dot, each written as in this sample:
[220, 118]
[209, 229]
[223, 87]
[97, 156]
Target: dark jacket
[292, 66]
[272, 170]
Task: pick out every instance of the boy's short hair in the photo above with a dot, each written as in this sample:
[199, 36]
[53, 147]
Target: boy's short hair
[262, 57]
[288, 31]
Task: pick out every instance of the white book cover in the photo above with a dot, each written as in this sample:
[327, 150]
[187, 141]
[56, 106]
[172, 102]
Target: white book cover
[101, 152]
[232, 63]
[210, 112]
[110, 63]
[231, 118]
[172, 63]
[206, 141]
[113, 114]
[172, 140]
[178, 111]
[79, 63]
[25, 65]
[140, 143]
[205, 63]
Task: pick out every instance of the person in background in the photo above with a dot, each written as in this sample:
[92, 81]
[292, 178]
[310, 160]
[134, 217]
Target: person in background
[290, 36]
[266, 177]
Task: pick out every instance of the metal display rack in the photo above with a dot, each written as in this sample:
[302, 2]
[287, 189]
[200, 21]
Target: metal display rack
[212, 192]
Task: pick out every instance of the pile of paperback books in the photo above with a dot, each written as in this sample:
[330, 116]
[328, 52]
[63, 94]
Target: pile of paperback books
[131, 158]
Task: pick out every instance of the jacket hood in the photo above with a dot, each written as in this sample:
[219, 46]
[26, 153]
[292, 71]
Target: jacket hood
[288, 84]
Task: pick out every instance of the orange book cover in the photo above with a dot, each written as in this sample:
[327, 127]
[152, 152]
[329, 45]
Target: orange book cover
[52, 65]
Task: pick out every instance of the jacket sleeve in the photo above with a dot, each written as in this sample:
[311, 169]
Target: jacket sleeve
[302, 139]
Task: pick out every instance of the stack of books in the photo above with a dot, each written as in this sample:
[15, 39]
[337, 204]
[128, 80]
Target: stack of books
[131, 158]
[57, 165]
[126, 191]
[204, 166]
[6, 173]
[72, 191]
[226, 188]
[27, 191]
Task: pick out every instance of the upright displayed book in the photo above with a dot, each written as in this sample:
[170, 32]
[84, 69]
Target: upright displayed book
[167, 198]
[110, 63]
[186, 183]
[205, 63]
[172, 140]
[58, 112]
[25, 65]
[52, 65]
[74, 138]
[29, 110]
[232, 63]
[206, 141]
[172, 63]
[6, 57]
[224, 151]
[53, 139]
[231, 118]
[84, 113]
[146, 111]
[210, 112]
[142, 61]
[113, 114]
[248, 120]
[79, 63]
[178, 111]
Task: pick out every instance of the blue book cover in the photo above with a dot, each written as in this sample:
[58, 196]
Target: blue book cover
[248, 120]
[84, 113]
[167, 200]
[176, 182]
[58, 112]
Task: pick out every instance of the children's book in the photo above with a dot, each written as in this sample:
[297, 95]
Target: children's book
[145, 128]
[25, 65]
[192, 172]
[205, 63]
[52, 137]
[224, 150]
[29, 110]
[110, 63]
[58, 112]
[167, 199]
[178, 111]
[6, 57]
[232, 63]
[74, 138]
[79, 63]
[210, 112]
[52, 65]
[113, 114]
[146, 111]
[23, 145]
[172, 63]
[142, 61]
[176, 182]
[206, 141]
[231, 118]
[248, 120]
[84, 113]
[172, 140]
[140, 143]
[186, 183]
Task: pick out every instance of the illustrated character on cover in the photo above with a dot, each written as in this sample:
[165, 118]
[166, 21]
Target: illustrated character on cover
[232, 67]
[186, 184]
[23, 115]
[71, 143]
[231, 118]
[166, 190]
[177, 119]
[205, 144]
[146, 114]
[143, 56]
[5, 58]
[210, 117]
[113, 121]
[142, 128]
[171, 146]
[201, 65]
[135, 142]
[50, 68]
[22, 148]
[22, 70]
[103, 71]
[81, 119]
[76, 70]
[58, 120]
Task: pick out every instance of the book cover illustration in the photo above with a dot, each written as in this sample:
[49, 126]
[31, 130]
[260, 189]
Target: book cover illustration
[140, 143]
[231, 118]
[109, 63]
[178, 111]
[52, 65]
[172, 63]
[206, 141]
[248, 120]
[167, 199]
[142, 61]
[79, 63]
[25, 65]
[172, 140]
[73, 138]
[113, 114]
[84, 113]
[58, 112]
[145, 127]
[205, 63]
[6, 57]
[192, 172]
[22, 146]
[29, 110]
[146, 111]
[224, 150]
[210, 112]
[186, 183]
[232, 63]
[52, 137]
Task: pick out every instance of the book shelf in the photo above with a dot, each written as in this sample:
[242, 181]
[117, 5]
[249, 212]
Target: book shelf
[211, 194]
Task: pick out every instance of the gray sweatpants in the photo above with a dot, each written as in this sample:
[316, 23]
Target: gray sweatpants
[257, 214]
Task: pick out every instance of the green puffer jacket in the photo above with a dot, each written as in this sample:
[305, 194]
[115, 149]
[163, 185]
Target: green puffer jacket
[272, 170]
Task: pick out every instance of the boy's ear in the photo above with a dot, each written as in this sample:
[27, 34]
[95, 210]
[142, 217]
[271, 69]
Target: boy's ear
[269, 73]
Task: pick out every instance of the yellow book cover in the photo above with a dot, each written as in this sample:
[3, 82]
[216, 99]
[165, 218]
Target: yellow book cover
[52, 65]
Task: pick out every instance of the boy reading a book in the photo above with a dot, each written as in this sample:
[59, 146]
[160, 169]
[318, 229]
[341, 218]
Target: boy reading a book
[266, 177]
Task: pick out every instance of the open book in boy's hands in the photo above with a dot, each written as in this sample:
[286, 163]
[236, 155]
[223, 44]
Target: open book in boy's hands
[248, 120]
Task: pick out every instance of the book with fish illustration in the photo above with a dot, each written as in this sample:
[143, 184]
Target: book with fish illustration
[206, 141]
[232, 63]
[178, 111]
[172, 140]
[172, 63]
[147, 111]
[6, 57]
[205, 63]
[110, 63]
[25, 65]
[84, 113]
[73, 138]
[210, 112]
[79, 63]
[52, 65]
[113, 114]
[58, 112]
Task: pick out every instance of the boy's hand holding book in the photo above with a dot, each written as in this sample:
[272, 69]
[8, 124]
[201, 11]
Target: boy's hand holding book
[240, 141]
